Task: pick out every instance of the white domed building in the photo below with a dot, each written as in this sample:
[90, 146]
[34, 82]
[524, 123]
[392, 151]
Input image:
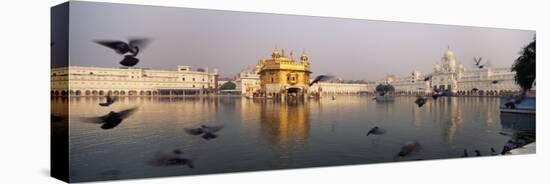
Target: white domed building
[450, 75]
[447, 76]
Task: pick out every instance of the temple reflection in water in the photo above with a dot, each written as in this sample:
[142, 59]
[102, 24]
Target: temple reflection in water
[267, 133]
[286, 122]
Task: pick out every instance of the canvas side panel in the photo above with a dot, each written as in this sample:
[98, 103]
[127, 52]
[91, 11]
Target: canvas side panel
[59, 60]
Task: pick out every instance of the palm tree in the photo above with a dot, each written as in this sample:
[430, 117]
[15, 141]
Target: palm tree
[524, 66]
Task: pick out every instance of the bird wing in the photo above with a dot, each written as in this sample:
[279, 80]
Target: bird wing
[194, 131]
[116, 45]
[213, 129]
[126, 113]
[427, 77]
[141, 43]
[380, 131]
[321, 78]
[93, 120]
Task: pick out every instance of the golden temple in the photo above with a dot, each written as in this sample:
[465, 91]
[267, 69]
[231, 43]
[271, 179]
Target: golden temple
[281, 75]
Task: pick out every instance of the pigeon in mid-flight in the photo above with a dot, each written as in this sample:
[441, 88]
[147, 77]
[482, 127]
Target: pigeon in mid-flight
[376, 131]
[478, 64]
[321, 78]
[437, 93]
[427, 78]
[206, 132]
[409, 148]
[420, 101]
[174, 158]
[112, 119]
[130, 50]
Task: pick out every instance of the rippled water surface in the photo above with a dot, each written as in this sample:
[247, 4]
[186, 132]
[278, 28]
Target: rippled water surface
[263, 134]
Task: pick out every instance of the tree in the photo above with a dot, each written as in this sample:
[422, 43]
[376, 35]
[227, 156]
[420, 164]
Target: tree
[382, 89]
[524, 66]
[228, 86]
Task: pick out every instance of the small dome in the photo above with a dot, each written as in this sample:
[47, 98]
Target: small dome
[304, 57]
[449, 53]
[275, 54]
[437, 67]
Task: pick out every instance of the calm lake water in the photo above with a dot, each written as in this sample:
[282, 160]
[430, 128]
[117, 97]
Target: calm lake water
[263, 134]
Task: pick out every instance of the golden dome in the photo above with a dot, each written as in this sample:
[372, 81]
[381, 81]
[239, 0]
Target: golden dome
[275, 54]
[304, 57]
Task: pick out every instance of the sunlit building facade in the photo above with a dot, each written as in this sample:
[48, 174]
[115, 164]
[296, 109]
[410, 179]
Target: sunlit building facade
[99, 81]
[248, 82]
[451, 76]
[281, 74]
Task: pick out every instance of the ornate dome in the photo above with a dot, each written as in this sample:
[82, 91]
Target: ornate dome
[437, 67]
[449, 54]
[304, 57]
[450, 61]
[275, 54]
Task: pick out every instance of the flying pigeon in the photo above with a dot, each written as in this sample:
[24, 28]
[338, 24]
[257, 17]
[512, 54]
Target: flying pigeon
[321, 78]
[206, 132]
[174, 158]
[112, 119]
[130, 50]
[376, 131]
[420, 101]
[409, 148]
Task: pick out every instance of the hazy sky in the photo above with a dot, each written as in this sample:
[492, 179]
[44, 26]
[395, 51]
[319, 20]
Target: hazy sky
[231, 41]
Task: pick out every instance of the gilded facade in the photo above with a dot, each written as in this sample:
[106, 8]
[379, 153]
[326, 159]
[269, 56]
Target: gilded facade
[282, 75]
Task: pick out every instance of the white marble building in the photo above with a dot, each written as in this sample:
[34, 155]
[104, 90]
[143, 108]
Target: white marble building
[248, 82]
[98, 81]
[449, 75]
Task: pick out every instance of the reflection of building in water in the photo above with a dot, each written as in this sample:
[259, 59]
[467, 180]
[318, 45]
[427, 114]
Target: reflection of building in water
[93, 81]
[454, 77]
[282, 75]
[448, 115]
[285, 123]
